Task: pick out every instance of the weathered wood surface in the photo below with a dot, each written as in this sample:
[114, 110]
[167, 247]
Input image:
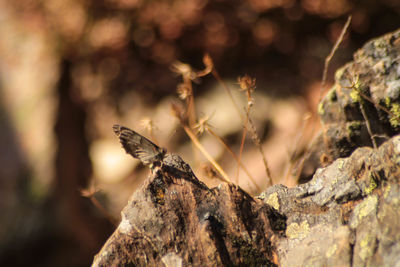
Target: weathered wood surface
[175, 219]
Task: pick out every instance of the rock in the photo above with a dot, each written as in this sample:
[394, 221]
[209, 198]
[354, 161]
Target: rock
[366, 94]
[346, 215]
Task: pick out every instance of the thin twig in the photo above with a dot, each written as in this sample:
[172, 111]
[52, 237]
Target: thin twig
[244, 121]
[375, 104]
[323, 82]
[257, 142]
[248, 85]
[190, 104]
[355, 86]
[90, 194]
[293, 154]
[197, 143]
[364, 96]
[367, 124]
[234, 156]
[242, 143]
[361, 96]
[331, 54]
[228, 91]
[303, 159]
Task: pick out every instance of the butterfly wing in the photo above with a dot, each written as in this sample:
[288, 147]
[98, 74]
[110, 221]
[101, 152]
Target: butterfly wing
[138, 146]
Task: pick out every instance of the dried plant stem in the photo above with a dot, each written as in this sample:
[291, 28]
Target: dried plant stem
[197, 143]
[244, 120]
[234, 156]
[293, 154]
[257, 142]
[303, 159]
[242, 142]
[191, 112]
[240, 153]
[190, 104]
[367, 124]
[331, 54]
[228, 91]
[364, 113]
[323, 82]
[365, 97]
[90, 194]
[97, 204]
[372, 102]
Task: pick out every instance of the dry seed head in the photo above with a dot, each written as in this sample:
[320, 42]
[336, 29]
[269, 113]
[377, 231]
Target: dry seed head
[183, 69]
[202, 125]
[90, 191]
[207, 60]
[209, 65]
[183, 91]
[247, 83]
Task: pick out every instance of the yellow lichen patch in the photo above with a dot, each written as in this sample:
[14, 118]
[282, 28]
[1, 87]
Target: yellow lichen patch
[339, 74]
[386, 191]
[379, 43]
[321, 110]
[372, 184]
[331, 250]
[356, 83]
[352, 128]
[332, 93]
[387, 102]
[395, 116]
[340, 164]
[294, 230]
[365, 208]
[355, 96]
[367, 247]
[273, 200]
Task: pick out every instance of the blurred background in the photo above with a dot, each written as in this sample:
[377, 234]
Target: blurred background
[70, 69]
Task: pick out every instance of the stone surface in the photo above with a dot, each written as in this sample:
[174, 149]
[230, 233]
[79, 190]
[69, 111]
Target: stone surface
[366, 94]
[347, 215]
[370, 83]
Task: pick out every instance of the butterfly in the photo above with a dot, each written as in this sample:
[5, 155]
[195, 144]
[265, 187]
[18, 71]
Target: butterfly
[138, 146]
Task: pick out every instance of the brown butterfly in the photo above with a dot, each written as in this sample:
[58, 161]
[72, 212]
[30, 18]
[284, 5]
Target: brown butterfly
[138, 146]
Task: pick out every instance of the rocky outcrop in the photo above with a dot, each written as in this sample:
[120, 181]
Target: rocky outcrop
[363, 108]
[347, 215]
